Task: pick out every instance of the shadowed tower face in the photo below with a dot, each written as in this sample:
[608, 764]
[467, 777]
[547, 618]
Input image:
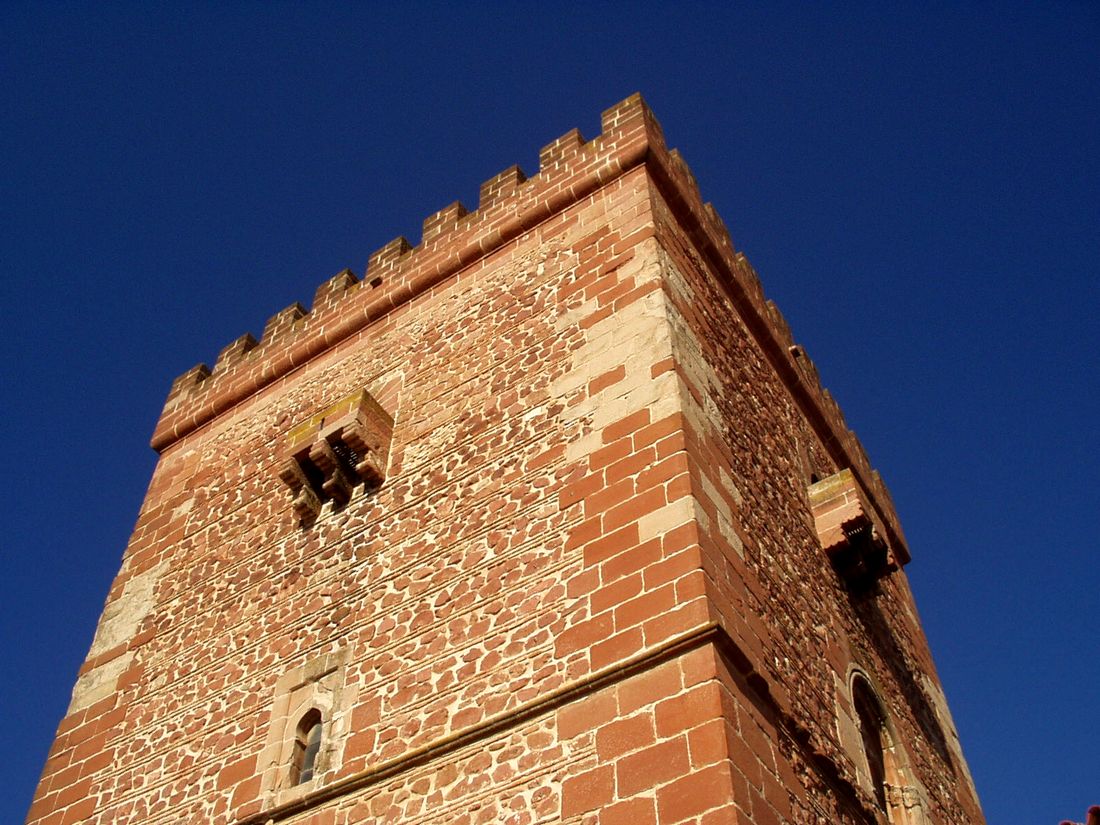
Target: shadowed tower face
[545, 519]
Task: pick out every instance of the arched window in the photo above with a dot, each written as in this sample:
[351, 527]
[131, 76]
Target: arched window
[872, 729]
[307, 743]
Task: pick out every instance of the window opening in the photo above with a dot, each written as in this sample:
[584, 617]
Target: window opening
[871, 723]
[307, 743]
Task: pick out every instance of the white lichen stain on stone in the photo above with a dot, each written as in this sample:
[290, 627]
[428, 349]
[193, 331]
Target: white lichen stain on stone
[98, 683]
[119, 623]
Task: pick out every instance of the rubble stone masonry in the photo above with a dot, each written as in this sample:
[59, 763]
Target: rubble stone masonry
[548, 518]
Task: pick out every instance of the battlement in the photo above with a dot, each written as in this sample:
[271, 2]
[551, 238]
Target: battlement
[547, 513]
[510, 203]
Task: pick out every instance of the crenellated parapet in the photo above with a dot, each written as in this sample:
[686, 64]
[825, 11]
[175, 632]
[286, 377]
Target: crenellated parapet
[712, 239]
[570, 169]
[509, 204]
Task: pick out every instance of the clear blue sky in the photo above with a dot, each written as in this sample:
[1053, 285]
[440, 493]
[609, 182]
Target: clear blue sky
[919, 188]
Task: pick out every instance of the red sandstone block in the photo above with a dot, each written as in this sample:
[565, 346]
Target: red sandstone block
[74, 793]
[644, 607]
[616, 593]
[89, 747]
[699, 665]
[637, 811]
[626, 426]
[581, 246]
[587, 714]
[630, 466]
[695, 794]
[97, 762]
[246, 792]
[80, 734]
[687, 710]
[130, 677]
[99, 708]
[615, 451]
[588, 791]
[583, 280]
[631, 561]
[608, 379]
[607, 280]
[638, 229]
[692, 586]
[360, 743]
[675, 443]
[756, 738]
[622, 736]
[585, 634]
[42, 803]
[584, 532]
[608, 497]
[653, 766]
[595, 317]
[649, 687]
[612, 545]
[671, 568]
[679, 620]
[777, 795]
[707, 743]
[551, 456]
[575, 491]
[617, 648]
[63, 779]
[623, 288]
[726, 815]
[54, 764]
[661, 472]
[661, 367]
[236, 772]
[584, 582]
[678, 487]
[762, 812]
[743, 759]
[81, 811]
[102, 658]
[635, 294]
[678, 538]
[367, 714]
[73, 720]
[633, 509]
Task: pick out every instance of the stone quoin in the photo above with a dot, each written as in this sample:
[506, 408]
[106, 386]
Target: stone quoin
[545, 519]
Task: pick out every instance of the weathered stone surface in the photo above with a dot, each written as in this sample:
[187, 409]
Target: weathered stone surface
[562, 567]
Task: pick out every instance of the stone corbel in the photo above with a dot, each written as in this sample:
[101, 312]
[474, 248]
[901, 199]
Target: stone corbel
[338, 483]
[847, 530]
[305, 502]
[328, 456]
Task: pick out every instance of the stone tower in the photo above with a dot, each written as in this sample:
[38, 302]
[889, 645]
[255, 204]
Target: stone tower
[546, 519]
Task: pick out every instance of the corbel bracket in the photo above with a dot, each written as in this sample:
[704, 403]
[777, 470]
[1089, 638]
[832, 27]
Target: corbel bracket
[328, 456]
[848, 532]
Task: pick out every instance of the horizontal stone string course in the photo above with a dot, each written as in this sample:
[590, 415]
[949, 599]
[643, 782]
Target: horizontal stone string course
[543, 704]
[573, 702]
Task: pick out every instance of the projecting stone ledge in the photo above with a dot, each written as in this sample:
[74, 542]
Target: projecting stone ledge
[849, 533]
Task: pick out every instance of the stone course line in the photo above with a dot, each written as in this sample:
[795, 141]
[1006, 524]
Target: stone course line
[594, 681]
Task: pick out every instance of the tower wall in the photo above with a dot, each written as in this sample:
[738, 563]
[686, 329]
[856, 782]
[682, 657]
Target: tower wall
[583, 580]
